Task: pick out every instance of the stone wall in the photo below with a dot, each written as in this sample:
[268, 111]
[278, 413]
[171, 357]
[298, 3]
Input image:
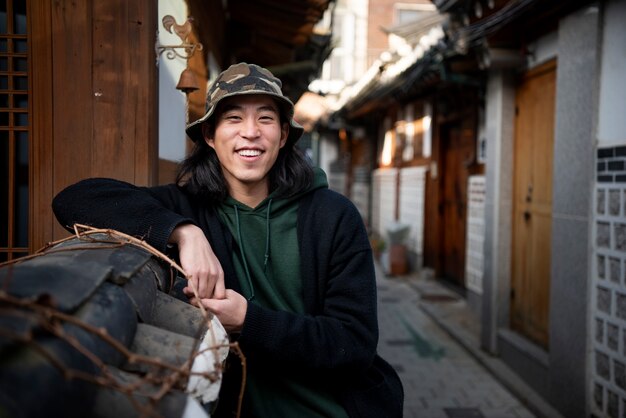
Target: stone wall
[608, 368]
[474, 253]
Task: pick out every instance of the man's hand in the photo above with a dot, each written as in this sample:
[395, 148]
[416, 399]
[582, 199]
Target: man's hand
[231, 311]
[197, 258]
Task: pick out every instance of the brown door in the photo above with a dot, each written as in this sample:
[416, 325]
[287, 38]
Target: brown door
[457, 155]
[91, 101]
[532, 203]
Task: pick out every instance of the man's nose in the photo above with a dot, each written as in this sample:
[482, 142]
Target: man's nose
[250, 128]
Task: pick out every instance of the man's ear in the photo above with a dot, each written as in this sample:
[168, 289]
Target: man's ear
[284, 134]
[208, 135]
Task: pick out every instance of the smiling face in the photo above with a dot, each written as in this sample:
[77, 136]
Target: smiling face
[247, 137]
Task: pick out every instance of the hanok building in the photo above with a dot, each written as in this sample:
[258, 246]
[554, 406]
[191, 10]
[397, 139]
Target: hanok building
[81, 94]
[498, 138]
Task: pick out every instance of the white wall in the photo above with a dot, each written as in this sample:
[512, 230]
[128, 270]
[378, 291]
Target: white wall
[350, 46]
[612, 110]
[543, 49]
[172, 102]
[412, 192]
[360, 36]
[383, 199]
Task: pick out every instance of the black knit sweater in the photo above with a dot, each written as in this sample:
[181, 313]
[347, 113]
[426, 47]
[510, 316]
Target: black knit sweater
[334, 342]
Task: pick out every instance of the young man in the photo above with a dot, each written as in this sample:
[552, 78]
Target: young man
[282, 261]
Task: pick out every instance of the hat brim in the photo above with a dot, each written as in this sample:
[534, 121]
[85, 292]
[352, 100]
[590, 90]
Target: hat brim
[194, 129]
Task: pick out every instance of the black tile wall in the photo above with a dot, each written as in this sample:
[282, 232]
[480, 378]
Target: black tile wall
[611, 165]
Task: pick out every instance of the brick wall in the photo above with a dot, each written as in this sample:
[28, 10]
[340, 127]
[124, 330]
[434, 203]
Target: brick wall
[608, 368]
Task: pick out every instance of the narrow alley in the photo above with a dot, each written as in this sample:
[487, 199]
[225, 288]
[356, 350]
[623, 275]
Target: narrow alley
[441, 378]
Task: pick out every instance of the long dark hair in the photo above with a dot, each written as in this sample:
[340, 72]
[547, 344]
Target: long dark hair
[201, 173]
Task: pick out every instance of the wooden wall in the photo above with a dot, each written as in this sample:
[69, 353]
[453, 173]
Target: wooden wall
[94, 107]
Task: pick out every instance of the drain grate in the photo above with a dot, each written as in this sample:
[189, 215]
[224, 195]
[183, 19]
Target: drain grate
[438, 297]
[463, 413]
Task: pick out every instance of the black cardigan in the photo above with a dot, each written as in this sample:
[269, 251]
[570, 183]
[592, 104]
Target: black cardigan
[335, 341]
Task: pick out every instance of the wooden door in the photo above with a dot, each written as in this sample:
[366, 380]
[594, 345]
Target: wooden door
[92, 99]
[532, 203]
[458, 154]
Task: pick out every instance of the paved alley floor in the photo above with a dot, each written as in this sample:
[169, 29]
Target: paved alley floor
[441, 379]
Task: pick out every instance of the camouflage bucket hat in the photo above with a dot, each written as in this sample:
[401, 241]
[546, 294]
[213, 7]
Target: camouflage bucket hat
[241, 79]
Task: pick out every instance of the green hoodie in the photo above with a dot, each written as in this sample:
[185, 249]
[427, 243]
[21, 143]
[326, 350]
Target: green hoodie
[268, 260]
[268, 267]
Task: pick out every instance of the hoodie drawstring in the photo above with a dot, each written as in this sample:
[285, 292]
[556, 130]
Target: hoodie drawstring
[243, 254]
[241, 246]
[267, 237]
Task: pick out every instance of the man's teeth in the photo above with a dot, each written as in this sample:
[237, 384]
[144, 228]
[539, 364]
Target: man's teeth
[249, 153]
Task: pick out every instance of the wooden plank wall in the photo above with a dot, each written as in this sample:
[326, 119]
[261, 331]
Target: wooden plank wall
[41, 222]
[103, 119]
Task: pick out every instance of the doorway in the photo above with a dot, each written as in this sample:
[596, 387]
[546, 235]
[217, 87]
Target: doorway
[532, 203]
[458, 155]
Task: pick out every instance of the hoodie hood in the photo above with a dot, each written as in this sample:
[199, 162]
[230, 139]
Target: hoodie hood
[277, 204]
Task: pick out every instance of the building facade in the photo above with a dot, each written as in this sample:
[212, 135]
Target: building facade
[513, 190]
[80, 86]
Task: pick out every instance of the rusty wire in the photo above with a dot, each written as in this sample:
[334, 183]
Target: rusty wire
[166, 376]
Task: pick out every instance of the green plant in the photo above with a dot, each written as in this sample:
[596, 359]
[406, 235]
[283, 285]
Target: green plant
[378, 244]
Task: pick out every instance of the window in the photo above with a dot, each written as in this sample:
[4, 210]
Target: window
[409, 131]
[410, 12]
[416, 130]
[14, 130]
[406, 16]
[386, 156]
[336, 67]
